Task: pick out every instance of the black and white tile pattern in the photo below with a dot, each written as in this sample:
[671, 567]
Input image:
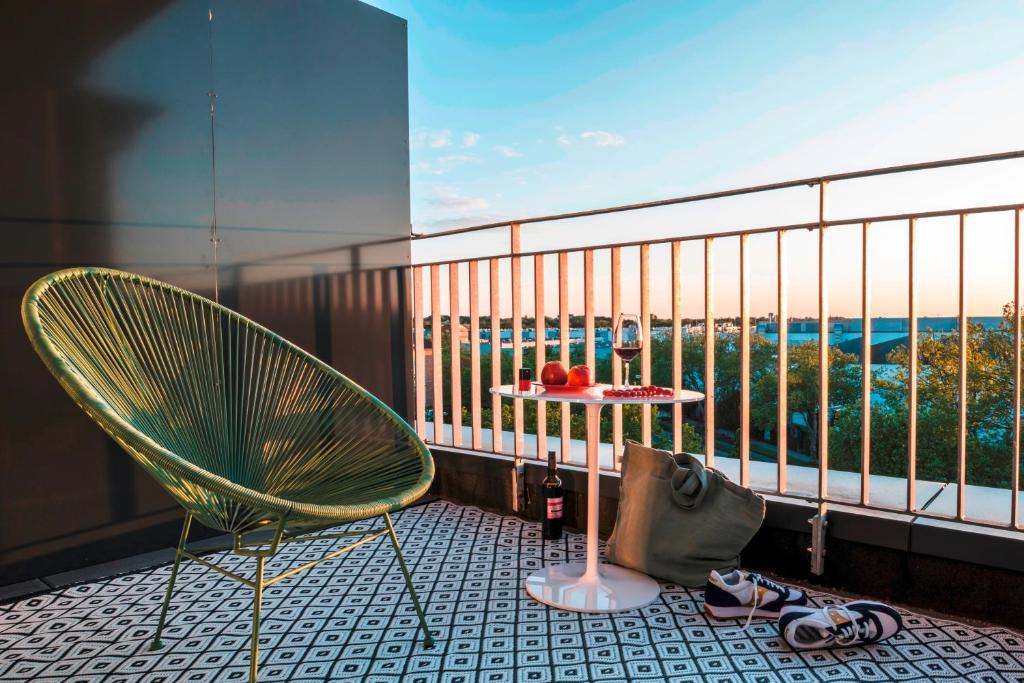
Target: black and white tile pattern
[350, 620]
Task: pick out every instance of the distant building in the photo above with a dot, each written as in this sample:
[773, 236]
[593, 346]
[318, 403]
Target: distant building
[847, 326]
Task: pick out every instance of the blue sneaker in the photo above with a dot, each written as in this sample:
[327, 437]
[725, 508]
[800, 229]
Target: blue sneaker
[742, 594]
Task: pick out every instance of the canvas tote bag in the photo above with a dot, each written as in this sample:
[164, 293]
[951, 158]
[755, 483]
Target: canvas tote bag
[678, 520]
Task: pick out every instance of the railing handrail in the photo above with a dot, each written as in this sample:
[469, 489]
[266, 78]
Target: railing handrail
[768, 229]
[720, 194]
[510, 256]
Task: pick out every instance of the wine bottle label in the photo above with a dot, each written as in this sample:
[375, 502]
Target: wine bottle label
[554, 508]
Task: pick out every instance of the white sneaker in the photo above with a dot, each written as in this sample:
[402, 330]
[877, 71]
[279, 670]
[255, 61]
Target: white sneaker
[745, 594]
[855, 623]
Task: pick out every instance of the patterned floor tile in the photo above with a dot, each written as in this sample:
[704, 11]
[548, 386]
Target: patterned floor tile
[350, 619]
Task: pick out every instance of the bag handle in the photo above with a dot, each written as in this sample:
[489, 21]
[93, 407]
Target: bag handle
[689, 483]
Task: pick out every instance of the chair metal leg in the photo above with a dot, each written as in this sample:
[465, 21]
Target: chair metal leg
[254, 655]
[428, 640]
[170, 584]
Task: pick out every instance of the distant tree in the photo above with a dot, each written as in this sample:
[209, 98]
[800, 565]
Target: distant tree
[989, 407]
[727, 370]
[803, 389]
[989, 432]
[661, 435]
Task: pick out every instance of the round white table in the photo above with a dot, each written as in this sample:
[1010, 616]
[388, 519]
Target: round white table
[592, 586]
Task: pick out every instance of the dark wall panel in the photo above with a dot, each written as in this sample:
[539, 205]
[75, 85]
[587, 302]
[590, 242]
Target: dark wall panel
[336, 71]
[294, 204]
[106, 162]
[111, 158]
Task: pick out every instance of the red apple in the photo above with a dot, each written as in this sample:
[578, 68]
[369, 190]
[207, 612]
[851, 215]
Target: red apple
[553, 373]
[579, 376]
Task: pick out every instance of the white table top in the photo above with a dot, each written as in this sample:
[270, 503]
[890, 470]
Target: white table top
[594, 395]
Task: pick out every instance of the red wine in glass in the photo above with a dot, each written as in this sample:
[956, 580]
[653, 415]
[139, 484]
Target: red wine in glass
[626, 353]
[627, 339]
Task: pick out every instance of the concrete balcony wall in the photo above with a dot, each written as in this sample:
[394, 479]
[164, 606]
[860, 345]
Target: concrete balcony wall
[888, 555]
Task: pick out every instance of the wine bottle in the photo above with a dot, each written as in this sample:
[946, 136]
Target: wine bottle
[554, 499]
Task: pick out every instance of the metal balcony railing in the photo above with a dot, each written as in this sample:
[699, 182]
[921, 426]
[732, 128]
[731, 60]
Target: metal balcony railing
[446, 426]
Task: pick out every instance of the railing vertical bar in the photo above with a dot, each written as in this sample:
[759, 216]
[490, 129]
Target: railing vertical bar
[540, 347]
[1015, 475]
[744, 363]
[823, 350]
[362, 292]
[645, 351]
[782, 420]
[961, 430]
[911, 369]
[677, 344]
[419, 356]
[588, 306]
[455, 364]
[865, 357]
[588, 315]
[495, 311]
[709, 351]
[350, 291]
[616, 268]
[436, 345]
[563, 345]
[517, 334]
[474, 354]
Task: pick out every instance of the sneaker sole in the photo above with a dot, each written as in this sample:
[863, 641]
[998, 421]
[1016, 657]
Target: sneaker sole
[738, 612]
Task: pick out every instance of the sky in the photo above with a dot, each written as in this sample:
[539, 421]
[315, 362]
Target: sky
[530, 108]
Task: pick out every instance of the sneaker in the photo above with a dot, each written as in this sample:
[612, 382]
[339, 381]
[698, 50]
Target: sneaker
[745, 594]
[855, 623]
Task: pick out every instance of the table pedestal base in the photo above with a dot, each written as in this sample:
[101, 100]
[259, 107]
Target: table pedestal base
[613, 589]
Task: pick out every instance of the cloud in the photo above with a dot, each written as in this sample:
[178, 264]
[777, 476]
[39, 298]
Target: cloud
[598, 138]
[450, 199]
[602, 138]
[427, 226]
[425, 168]
[453, 159]
[469, 139]
[432, 139]
[507, 151]
[442, 165]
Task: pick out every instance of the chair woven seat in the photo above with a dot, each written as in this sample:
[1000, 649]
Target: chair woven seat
[243, 428]
[237, 423]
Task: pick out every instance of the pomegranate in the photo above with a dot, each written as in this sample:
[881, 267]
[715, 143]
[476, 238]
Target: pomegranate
[553, 373]
[579, 376]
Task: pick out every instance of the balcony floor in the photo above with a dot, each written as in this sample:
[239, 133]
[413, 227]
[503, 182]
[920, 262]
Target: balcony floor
[350, 619]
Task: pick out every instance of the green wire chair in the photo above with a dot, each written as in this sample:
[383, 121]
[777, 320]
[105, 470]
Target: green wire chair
[244, 429]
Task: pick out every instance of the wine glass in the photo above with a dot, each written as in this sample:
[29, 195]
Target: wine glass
[627, 339]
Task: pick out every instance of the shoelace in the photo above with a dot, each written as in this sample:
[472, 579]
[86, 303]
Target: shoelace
[767, 583]
[750, 614]
[855, 630]
[757, 580]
